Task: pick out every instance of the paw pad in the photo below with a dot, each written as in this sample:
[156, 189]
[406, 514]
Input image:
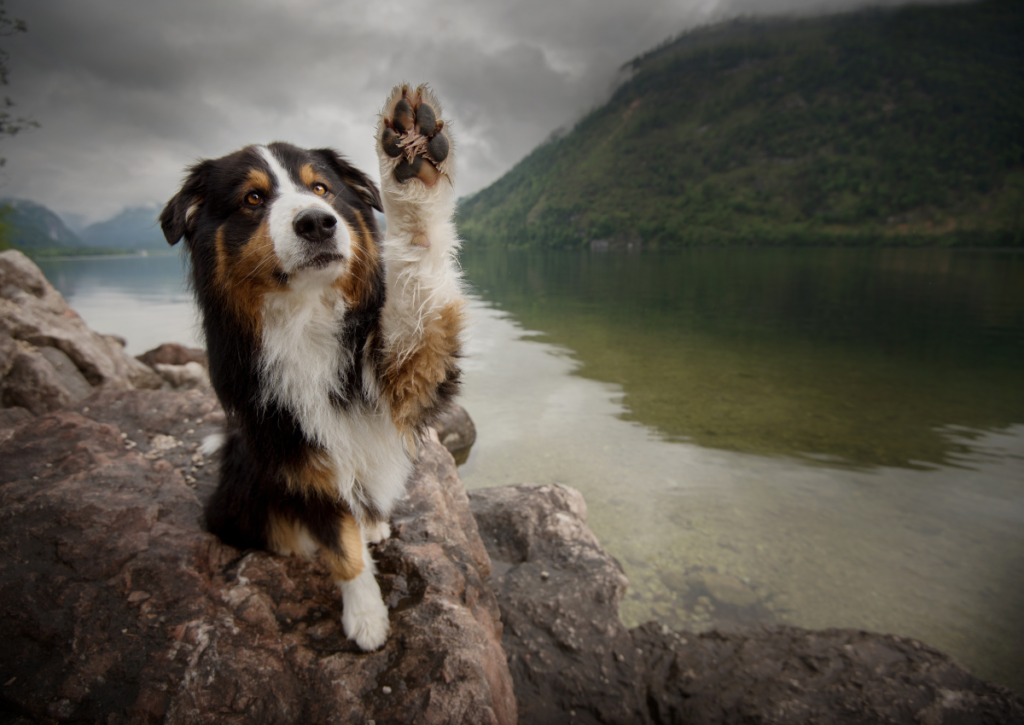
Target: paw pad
[414, 133]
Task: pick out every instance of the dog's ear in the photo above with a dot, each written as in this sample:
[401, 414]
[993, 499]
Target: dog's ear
[177, 216]
[356, 180]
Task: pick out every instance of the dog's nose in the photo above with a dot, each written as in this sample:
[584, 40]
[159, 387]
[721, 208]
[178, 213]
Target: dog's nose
[314, 225]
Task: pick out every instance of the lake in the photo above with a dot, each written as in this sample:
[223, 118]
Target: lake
[816, 437]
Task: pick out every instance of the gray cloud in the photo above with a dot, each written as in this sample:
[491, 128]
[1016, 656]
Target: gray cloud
[128, 92]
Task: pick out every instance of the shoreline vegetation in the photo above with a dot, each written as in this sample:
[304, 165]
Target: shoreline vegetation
[899, 127]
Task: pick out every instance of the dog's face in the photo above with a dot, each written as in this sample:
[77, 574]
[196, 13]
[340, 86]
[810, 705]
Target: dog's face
[274, 217]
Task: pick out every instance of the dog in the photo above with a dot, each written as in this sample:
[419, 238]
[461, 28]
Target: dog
[331, 347]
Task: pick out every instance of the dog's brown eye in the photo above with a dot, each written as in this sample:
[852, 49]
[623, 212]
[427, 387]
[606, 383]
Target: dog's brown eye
[319, 189]
[254, 198]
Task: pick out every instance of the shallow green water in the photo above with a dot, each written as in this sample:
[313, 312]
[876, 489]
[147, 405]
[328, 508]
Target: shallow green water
[815, 437]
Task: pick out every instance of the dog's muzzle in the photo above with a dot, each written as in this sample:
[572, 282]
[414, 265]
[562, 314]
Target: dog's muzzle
[316, 226]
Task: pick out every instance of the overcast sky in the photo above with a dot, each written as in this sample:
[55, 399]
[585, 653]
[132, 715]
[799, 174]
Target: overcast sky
[129, 92]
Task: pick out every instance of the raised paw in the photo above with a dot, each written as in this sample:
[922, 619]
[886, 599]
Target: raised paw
[413, 137]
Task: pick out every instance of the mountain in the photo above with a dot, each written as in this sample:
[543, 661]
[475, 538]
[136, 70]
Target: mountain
[896, 126]
[32, 226]
[135, 228]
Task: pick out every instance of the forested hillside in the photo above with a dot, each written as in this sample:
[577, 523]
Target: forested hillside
[884, 126]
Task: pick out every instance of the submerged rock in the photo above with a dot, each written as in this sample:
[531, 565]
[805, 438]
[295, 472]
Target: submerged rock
[118, 608]
[573, 661]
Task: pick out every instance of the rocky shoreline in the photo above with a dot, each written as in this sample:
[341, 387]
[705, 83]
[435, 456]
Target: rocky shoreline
[118, 608]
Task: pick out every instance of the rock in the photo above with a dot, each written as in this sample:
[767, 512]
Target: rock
[728, 589]
[33, 312]
[456, 431]
[117, 607]
[571, 657]
[189, 375]
[42, 379]
[573, 661]
[181, 367]
[11, 418]
[788, 675]
[171, 353]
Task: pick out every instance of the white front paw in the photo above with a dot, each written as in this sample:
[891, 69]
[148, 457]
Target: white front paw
[369, 628]
[364, 616]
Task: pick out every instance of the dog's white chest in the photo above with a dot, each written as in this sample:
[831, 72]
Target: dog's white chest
[305, 369]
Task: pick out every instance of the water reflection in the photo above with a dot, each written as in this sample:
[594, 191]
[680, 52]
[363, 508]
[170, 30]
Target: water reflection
[145, 300]
[840, 356]
[709, 536]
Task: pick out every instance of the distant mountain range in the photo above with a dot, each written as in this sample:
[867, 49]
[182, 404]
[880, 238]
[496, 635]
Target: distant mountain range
[34, 227]
[900, 126]
[37, 230]
[135, 228]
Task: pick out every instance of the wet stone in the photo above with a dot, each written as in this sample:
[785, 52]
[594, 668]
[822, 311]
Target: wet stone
[729, 590]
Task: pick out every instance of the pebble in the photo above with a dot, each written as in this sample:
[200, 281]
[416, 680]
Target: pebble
[386, 690]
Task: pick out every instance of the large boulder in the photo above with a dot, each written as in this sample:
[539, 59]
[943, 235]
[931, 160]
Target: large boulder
[573, 660]
[49, 357]
[117, 607]
[569, 653]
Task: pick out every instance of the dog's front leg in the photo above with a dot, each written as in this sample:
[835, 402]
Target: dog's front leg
[364, 615]
[423, 317]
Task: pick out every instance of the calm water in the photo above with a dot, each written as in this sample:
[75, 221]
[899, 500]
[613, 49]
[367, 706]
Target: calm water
[814, 437]
[143, 299]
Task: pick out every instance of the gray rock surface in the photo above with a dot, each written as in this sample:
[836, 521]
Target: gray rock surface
[42, 379]
[181, 367]
[456, 431]
[171, 353]
[116, 607]
[569, 653]
[573, 661]
[49, 358]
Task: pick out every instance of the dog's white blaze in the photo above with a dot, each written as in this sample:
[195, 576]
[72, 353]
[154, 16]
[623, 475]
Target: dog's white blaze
[301, 360]
[289, 201]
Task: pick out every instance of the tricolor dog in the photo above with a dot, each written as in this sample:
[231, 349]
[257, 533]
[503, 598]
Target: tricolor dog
[330, 346]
